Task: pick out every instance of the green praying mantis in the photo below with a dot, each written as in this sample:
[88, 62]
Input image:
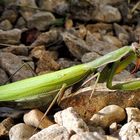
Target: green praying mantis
[38, 91]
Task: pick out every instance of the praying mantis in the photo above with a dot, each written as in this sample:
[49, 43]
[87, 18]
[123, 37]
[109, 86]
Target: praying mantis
[38, 91]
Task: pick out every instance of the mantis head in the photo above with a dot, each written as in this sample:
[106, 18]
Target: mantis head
[136, 48]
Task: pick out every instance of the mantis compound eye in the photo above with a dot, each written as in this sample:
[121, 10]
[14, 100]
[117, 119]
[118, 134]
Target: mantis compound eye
[136, 48]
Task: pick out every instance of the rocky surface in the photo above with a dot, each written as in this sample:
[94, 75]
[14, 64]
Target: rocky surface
[38, 37]
[62, 130]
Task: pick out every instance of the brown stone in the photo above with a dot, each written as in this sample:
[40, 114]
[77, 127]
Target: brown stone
[101, 98]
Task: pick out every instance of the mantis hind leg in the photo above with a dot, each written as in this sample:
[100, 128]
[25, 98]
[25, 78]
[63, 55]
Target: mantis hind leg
[56, 98]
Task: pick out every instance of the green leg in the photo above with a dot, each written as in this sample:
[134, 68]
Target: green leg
[121, 66]
[116, 68]
[105, 73]
[111, 75]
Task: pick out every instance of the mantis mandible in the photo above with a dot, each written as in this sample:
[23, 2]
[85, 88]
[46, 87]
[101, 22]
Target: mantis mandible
[38, 91]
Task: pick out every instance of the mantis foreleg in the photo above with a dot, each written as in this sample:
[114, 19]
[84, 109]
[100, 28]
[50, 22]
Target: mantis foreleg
[117, 67]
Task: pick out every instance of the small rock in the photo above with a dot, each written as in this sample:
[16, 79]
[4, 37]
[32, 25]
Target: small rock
[41, 20]
[17, 50]
[112, 40]
[123, 76]
[113, 128]
[21, 131]
[30, 3]
[127, 16]
[95, 36]
[106, 13]
[34, 117]
[71, 120]
[59, 6]
[53, 132]
[66, 63]
[119, 29]
[6, 25]
[10, 36]
[108, 115]
[3, 131]
[54, 54]
[10, 14]
[111, 138]
[8, 3]
[31, 65]
[25, 58]
[46, 38]
[46, 62]
[99, 27]
[76, 45]
[88, 136]
[27, 8]
[137, 32]
[81, 31]
[87, 57]
[11, 63]
[109, 2]
[21, 23]
[98, 45]
[137, 74]
[96, 129]
[133, 114]
[11, 113]
[5, 126]
[130, 131]
[121, 33]
[3, 76]
[37, 52]
[82, 10]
